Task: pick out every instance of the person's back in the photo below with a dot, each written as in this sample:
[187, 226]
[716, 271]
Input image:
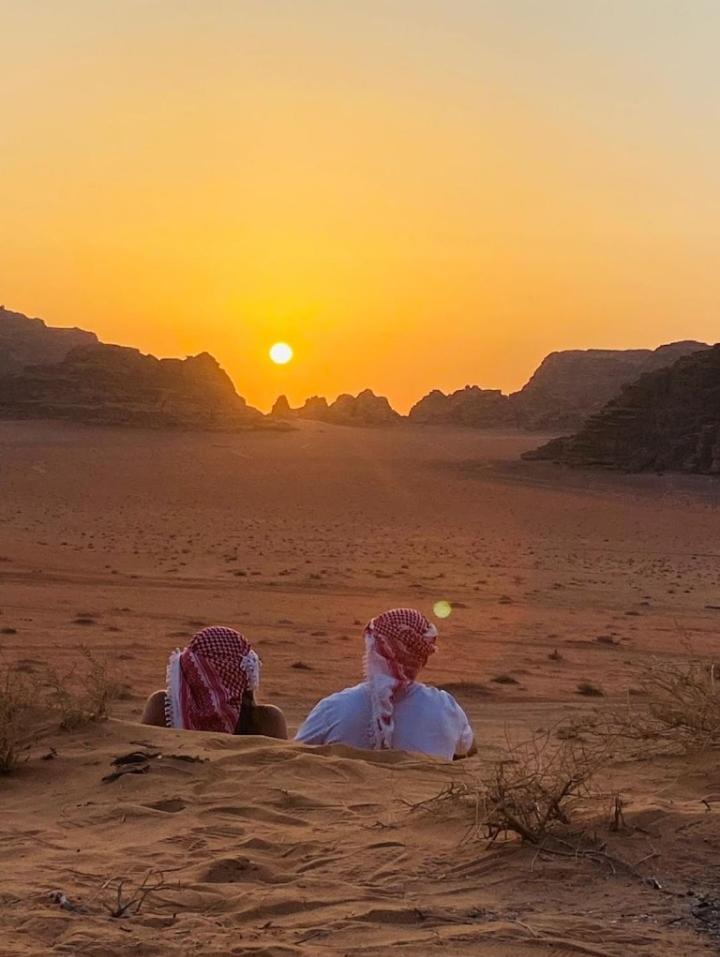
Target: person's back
[390, 709]
[427, 721]
[211, 686]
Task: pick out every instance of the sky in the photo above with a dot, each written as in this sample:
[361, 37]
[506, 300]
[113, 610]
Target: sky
[414, 194]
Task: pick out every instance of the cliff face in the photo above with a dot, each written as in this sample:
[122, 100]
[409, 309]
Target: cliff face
[667, 420]
[119, 386]
[281, 409]
[25, 341]
[482, 408]
[569, 386]
[363, 409]
[565, 389]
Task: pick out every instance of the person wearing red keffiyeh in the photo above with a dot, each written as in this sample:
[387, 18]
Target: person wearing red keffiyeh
[391, 709]
[211, 686]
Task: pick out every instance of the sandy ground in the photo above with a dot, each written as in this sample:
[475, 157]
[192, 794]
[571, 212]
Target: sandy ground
[128, 542]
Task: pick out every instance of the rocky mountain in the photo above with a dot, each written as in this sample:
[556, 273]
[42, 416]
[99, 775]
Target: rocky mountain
[565, 389]
[281, 409]
[569, 386]
[482, 408]
[120, 386]
[363, 409]
[25, 341]
[666, 420]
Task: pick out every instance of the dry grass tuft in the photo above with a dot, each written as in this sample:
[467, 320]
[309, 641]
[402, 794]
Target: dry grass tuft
[124, 898]
[85, 693]
[679, 709]
[685, 699]
[531, 791]
[17, 698]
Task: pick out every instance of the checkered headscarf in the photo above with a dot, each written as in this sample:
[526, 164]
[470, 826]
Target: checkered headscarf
[398, 644]
[206, 681]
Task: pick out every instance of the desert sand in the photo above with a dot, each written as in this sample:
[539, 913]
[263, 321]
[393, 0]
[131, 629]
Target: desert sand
[129, 541]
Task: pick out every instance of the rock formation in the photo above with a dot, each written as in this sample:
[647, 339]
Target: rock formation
[569, 386]
[25, 341]
[281, 409]
[566, 388]
[482, 408]
[364, 409]
[120, 386]
[315, 408]
[666, 420]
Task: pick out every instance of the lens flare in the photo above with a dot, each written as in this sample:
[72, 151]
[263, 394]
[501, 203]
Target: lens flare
[442, 609]
[281, 353]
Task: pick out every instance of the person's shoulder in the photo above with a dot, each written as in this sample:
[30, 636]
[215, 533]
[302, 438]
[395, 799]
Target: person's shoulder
[345, 695]
[268, 709]
[154, 711]
[437, 695]
[269, 720]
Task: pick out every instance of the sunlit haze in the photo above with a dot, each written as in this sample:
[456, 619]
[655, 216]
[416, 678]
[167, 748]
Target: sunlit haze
[413, 193]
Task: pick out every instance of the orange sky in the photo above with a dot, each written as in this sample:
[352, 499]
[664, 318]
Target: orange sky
[413, 193]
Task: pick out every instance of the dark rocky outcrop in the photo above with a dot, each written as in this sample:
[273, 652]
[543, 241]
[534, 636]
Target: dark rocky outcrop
[666, 420]
[120, 386]
[569, 386]
[363, 409]
[281, 409]
[482, 408]
[315, 408]
[25, 341]
[566, 388]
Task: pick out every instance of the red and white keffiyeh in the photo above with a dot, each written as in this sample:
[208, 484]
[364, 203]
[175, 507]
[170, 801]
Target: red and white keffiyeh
[398, 644]
[206, 681]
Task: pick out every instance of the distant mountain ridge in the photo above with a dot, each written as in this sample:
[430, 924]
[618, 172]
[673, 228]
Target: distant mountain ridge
[473, 406]
[668, 419]
[564, 390]
[68, 373]
[364, 409]
[83, 380]
[25, 341]
[569, 386]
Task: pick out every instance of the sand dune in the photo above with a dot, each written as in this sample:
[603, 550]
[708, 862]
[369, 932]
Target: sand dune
[130, 542]
[268, 848]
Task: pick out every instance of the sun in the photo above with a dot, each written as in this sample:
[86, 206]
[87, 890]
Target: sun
[281, 353]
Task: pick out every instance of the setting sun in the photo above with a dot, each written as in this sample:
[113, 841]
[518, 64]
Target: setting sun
[281, 353]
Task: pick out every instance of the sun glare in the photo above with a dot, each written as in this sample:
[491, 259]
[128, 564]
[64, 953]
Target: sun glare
[281, 353]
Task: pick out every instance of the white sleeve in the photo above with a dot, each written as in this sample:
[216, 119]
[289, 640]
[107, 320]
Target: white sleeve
[466, 735]
[315, 727]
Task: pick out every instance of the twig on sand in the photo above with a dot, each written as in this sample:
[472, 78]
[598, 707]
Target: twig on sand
[129, 903]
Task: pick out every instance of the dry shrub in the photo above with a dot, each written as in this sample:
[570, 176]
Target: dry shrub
[684, 699]
[17, 698]
[125, 898]
[679, 710]
[532, 790]
[85, 693]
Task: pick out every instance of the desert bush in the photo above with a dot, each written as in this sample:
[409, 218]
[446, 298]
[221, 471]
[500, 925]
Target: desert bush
[85, 693]
[685, 699]
[530, 791]
[16, 702]
[125, 898]
[676, 706]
